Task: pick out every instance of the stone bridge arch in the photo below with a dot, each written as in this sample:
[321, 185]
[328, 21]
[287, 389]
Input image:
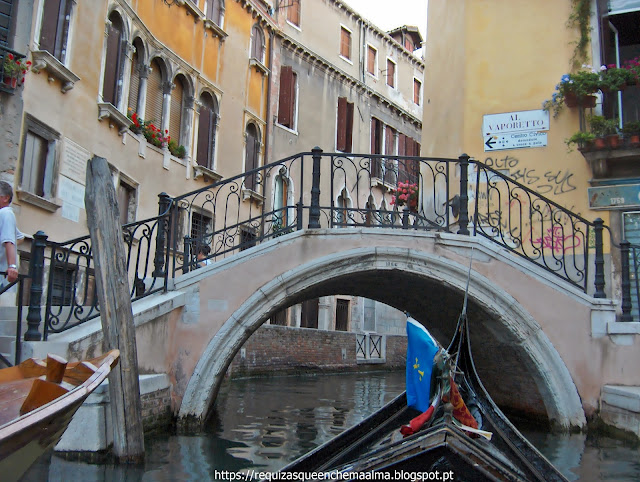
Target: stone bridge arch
[418, 281]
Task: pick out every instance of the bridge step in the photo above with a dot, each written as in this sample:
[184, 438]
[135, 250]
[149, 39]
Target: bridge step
[620, 407]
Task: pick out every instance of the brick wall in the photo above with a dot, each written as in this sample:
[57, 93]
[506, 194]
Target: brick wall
[283, 349]
[156, 410]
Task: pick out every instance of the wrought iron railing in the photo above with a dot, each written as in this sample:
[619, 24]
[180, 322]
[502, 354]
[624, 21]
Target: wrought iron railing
[247, 209]
[71, 289]
[532, 226]
[323, 190]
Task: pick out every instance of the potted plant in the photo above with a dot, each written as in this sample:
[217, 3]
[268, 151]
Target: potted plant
[584, 141]
[407, 193]
[14, 68]
[604, 128]
[615, 78]
[631, 131]
[575, 89]
[633, 66]
[177, 150]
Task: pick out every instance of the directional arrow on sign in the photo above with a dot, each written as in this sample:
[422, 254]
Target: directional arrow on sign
[490, 142]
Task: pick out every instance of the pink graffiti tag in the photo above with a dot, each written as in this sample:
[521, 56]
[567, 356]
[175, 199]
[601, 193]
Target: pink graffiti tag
[554, 240]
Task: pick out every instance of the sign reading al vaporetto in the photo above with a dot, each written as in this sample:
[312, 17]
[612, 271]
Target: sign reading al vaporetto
[515, 130]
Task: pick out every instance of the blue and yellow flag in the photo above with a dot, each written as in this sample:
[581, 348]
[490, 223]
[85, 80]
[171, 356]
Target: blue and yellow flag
[421, 348]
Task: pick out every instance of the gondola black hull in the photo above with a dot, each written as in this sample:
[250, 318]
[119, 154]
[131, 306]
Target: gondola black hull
[375, 444]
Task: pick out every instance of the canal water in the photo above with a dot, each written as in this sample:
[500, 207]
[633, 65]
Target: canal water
[264, 423]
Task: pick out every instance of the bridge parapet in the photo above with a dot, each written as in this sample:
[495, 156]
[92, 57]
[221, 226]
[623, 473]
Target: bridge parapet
[339, 191]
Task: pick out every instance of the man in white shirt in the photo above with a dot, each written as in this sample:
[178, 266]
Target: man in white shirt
[8, 231]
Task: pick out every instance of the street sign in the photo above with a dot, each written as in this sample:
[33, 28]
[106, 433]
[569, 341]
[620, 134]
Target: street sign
[619, 196]
[516, 140]
[515, 130]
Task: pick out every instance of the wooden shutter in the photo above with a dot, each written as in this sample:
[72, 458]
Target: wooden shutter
[376, 147]
[214, 11]
[175, 114]
[345, 43]
[287, 96]
[371, 61]
[342, 315]
[153, 110]
[50, 14]
[293, 12]
[251, 159]
[349, 127]
[110, 86]
[391, 72]
[134, 83]
[309, 315]
[341, 140]
[204, 136]
[257, 43]
[6, 14]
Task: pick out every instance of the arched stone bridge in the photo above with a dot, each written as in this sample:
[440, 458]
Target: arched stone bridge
[532, 333]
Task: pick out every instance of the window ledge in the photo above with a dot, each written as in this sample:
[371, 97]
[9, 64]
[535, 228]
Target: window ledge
[43, 60]
[217, 31]
[251, 195]
[260, 67]
[193, 8]
[51, 205]
[206, 173]
[116, 118]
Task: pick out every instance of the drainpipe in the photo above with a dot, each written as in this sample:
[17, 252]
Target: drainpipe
[615, 31]
[268, 115]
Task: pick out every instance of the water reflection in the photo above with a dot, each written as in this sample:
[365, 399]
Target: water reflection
[263, 424]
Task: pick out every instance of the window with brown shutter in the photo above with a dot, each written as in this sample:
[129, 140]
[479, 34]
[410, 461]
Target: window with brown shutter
[175, 113]
[309, 314]
[257, 43]
[207, 131]
[113, 62]
[416, 91]
[371, 60]
[287, 99]
[134, 83]
[391, 73]
[215, 8]
[345, 43]
[54, 30]
[342, 315]
[293, 12]
[251, 155]
[344, 130]
[376, 147]
[153, 109]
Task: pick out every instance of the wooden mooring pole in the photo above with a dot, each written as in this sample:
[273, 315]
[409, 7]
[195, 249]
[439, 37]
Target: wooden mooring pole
[115, 310]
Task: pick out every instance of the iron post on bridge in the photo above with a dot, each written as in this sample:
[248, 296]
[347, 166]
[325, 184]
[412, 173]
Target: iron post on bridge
[163, 224]
[625, 283]
[36, 273]
[463, 218]
[314, 209]
[599, 259]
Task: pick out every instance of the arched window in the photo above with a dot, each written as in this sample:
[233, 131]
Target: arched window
[175, 115]
[207, 127]
[134, 80]
[252, 151]
[280, 200]
[153, 108]
[112, 85]
[257, 43]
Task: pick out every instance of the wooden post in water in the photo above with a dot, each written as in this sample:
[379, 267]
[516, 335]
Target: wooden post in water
[115, 310]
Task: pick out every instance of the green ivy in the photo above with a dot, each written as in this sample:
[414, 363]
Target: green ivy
[580, 18]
